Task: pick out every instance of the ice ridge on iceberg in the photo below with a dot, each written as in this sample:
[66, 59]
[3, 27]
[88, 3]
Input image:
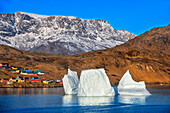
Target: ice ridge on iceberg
[127, 86]
[70, 82]
[94, 82]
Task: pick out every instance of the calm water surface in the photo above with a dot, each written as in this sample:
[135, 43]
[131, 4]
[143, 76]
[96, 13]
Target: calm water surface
[21, 100]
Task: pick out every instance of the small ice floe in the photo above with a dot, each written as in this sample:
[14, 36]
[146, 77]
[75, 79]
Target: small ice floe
[127, 86]
[70, 82]
[94, 82]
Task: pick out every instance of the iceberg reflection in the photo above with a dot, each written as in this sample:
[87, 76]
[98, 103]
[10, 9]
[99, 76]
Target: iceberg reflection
[132, 99]
[88, 101]
[70, 100]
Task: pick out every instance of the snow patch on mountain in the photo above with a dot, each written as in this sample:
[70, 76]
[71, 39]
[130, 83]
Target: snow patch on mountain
[58, 34]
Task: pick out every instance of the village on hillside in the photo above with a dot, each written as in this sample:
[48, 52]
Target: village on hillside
[26, 78]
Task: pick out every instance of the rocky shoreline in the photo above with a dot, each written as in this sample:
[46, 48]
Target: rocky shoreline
[30, 85]
[53, 85]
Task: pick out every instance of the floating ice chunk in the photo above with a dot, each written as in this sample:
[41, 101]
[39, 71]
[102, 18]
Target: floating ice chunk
[94, 82]
[71, 82]
[127, 86]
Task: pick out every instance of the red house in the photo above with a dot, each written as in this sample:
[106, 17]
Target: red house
[4, 79]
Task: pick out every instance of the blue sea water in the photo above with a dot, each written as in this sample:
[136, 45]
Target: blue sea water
[45, 100]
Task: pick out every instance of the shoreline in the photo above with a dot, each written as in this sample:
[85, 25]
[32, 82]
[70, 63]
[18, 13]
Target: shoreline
[30, 85]
[55, 85]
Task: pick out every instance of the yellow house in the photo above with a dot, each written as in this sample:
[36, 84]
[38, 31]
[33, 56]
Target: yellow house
[47, 81]
[20, 81]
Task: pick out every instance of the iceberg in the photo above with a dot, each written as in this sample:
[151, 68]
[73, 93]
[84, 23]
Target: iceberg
[127, 86]
[70, 82]
[94, 82]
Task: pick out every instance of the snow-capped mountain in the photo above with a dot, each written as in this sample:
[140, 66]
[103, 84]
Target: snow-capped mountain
[58, 34]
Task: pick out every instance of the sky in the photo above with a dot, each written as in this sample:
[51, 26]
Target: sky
[136, 16]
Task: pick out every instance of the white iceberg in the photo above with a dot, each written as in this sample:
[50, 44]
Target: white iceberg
[94, 82]
[70, 82]
[127, 86]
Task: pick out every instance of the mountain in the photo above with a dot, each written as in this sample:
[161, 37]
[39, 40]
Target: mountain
[149, 64]
[58, 34]
[157, 39]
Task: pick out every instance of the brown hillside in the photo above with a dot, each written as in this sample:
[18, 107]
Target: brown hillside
[144, 64]
[157, 39]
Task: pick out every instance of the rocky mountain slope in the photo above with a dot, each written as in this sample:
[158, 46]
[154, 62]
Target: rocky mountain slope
[156, 39]
[145, 64]
[58, 34]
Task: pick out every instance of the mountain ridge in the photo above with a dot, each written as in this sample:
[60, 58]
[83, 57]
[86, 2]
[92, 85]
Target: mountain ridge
[156, 39]
[73, 35]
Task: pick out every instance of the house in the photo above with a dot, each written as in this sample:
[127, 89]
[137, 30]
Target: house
[23, 73]
[28, 71]
[19, 79]
[61, 82]
[4, 79]
[46, 73]
[20, 68]
[13, 68]
[26, 79]
[4, 66]
[12, 79]
[31, 74]
[10, 82]
[47, 81]
[40, 73]
[15, 71]
[35, 79]
[37, 71]
[58, 81]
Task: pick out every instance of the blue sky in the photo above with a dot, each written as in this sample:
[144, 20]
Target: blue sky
[136, 16]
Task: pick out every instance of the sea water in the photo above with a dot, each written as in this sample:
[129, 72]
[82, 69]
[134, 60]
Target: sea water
[42, 100]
